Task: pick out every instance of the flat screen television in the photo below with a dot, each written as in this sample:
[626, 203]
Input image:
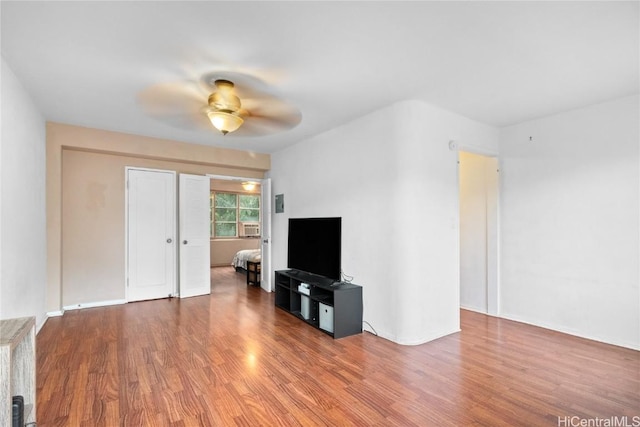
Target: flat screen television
[315, 245]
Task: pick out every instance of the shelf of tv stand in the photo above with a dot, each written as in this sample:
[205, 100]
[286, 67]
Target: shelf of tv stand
[343, 299]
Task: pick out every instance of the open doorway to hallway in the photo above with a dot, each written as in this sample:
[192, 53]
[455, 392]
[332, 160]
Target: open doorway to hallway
[478, 196]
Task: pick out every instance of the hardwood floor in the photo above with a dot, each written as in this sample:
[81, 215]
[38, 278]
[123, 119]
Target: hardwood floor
[232, 359]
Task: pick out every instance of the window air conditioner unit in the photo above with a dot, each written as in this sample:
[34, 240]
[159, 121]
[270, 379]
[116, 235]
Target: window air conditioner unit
[250, 229]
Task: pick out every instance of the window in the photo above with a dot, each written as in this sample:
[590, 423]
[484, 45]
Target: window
[228, 210]
[225, 217]
[249, 208]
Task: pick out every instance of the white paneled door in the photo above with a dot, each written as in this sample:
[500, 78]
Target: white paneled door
[151, 229]
[195, 275]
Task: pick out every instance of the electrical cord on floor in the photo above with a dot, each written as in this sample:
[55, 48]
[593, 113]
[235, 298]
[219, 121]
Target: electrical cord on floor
[346, 278]
[369, 324]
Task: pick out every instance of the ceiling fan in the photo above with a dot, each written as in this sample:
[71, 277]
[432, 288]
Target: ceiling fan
[224, 108]
[230, 102]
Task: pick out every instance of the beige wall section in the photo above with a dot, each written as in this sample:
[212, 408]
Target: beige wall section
[86, 196]
[223, 250]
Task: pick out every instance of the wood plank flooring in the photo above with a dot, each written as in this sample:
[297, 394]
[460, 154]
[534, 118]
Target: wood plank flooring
[232, 359]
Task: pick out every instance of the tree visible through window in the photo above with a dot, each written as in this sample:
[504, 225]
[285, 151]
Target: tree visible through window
[228, 210]
[249, 208]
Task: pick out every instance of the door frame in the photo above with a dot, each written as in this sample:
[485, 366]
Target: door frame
[266, 210]
[174, 291]
[493, 251]
[262, 217]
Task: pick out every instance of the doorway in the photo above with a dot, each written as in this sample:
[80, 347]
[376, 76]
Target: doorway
[231, 183]
[478, 195]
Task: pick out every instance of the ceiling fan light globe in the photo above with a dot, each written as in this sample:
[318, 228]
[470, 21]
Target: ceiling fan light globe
[225, 122]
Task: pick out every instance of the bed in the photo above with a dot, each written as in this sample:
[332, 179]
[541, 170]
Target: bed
[248, 261]
[241, 257]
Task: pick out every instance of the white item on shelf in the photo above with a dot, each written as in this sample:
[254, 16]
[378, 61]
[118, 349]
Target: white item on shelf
[304, 288]
[305, 307]
[326, 317]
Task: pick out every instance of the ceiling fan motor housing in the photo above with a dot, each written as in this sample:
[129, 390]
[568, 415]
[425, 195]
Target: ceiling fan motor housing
[224, 102]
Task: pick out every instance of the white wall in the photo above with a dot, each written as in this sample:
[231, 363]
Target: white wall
[392, 178]
[23, 214]
[570, 222]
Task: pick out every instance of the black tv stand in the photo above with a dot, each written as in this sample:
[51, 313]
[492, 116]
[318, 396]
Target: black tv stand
[310, 277]
[333, 307]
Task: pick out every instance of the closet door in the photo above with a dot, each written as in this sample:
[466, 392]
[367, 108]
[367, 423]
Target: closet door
[151, 229]
[195, 263]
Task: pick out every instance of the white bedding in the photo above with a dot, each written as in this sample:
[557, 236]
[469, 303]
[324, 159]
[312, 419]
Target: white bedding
[240, 259]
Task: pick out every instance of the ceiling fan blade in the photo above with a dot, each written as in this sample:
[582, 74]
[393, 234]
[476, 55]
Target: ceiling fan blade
[172, 98]
[269, 107]
[177, 104]
[265, 113]
[260, 126]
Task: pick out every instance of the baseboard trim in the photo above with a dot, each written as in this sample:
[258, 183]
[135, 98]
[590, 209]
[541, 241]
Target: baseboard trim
[475, 310]
[416, 341]
[579, 334]
[57, 313]
[94, 304]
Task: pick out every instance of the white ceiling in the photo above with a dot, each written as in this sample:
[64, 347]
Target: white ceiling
[500, 63]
